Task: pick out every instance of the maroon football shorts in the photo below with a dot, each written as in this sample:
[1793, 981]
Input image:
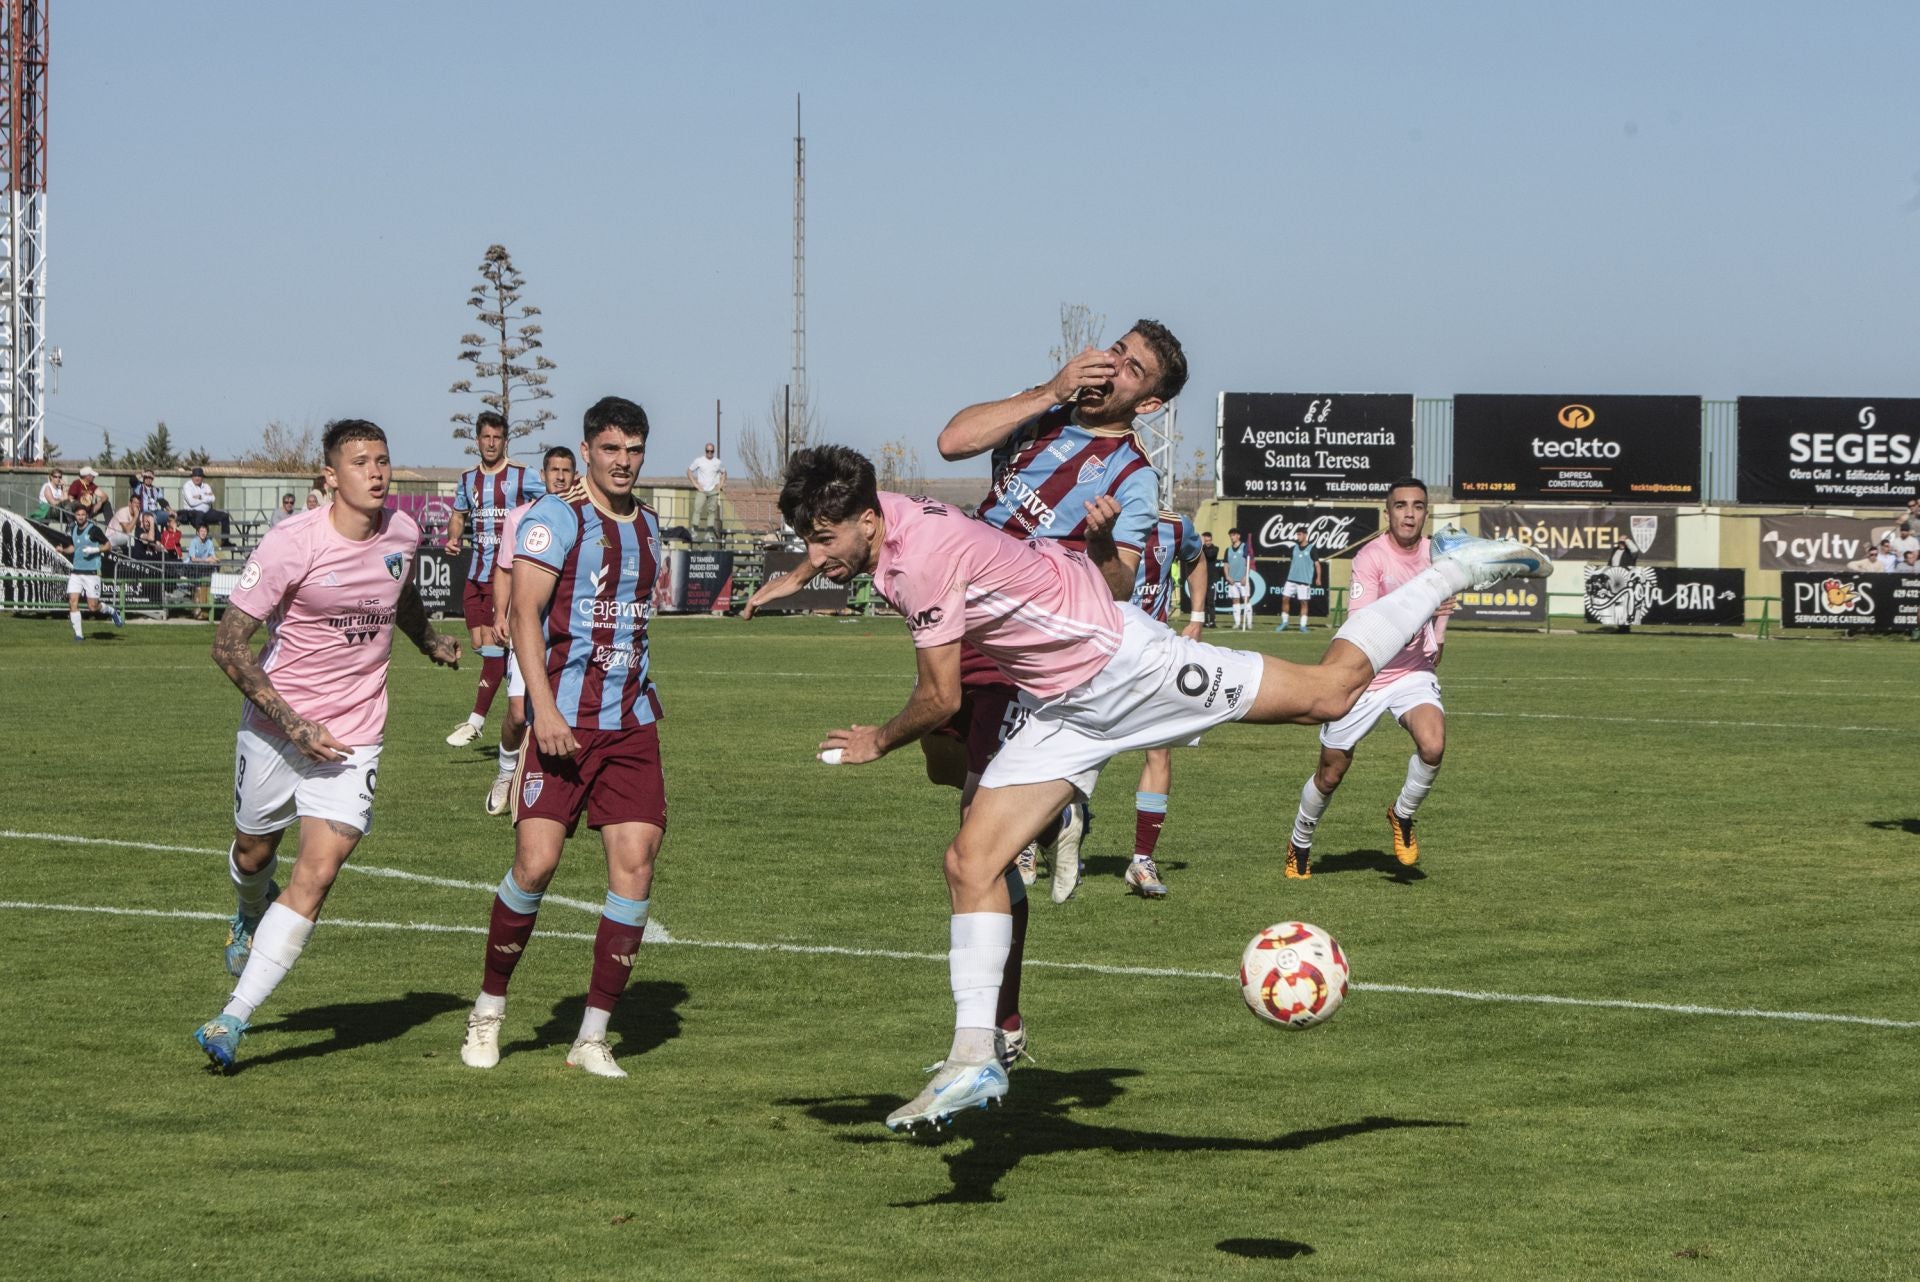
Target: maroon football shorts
[614, 776]
[476, 603]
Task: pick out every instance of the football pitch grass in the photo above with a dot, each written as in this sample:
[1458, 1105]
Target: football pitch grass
[1586, 1038]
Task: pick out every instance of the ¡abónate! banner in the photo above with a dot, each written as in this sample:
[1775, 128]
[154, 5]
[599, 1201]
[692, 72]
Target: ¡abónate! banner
[1584, 533]
[1860, 602]
[1576, 448]
[1829, 451]
[1661, 594]
[1300, 445]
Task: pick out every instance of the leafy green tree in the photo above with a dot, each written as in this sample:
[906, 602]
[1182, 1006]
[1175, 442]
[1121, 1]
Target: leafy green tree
[498, 351]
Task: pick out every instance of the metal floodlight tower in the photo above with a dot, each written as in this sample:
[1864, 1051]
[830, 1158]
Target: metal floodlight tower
[797, 390]
[1160, 433]
[23, 240]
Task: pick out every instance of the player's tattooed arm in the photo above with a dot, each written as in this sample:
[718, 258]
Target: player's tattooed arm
[233, 652]
[410, 616]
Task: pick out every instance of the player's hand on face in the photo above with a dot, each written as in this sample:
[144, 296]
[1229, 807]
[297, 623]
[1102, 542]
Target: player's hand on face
[1090, 368]
[857, 744]
[317, 743]
[554, 735]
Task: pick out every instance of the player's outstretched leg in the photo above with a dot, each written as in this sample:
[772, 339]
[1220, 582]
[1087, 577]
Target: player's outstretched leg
[508, 930]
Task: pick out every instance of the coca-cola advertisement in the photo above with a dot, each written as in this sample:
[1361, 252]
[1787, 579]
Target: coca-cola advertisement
[1332, 533]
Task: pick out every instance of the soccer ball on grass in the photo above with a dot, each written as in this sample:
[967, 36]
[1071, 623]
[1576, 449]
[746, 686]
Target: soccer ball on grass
[1293, 975]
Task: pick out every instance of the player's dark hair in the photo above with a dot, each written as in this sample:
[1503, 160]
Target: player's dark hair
[487, 419]
[825, 486]
[1407, 483]
[558, 451]
[344, 430]
[1173, 358]
[1237, 530]
[614, 411]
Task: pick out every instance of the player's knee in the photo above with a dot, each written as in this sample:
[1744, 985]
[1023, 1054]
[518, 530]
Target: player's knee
[969, 869]
[1430, 754]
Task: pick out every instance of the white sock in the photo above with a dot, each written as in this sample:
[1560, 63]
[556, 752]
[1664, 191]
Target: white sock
[1419, 784]
[250, 888]
[509, 759]
[277, 943]
[1313, 804]
[73, 617]
[593, 1025]
[475, 720]
[1383, 628]
[975, 961]
[488, 1004]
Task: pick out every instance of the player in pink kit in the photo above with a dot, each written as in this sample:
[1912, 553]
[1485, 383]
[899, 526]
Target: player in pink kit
[1097, 677]
[1406, 687]
[330, 584]
[556, 473]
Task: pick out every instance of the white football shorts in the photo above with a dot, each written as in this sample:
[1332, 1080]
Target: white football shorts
[1159, 690]
[1236, 591]
[1398, 698]
[1296, 591]
[274, 784]
[84, 585]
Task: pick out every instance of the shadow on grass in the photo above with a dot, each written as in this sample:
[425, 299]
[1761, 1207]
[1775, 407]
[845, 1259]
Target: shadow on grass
[1263, 1248]
[646, 1018]
[1036, 1119]
[1369, 861]
[1115, 866]
[353, 1024]
[1909, 826]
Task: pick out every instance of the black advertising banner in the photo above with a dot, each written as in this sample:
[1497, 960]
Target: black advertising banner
[1829, 451]
[1860, 602]
[819, 593]
[1661, 594]
[1584, 533]
[441, 579]
[1517, 601]
[1817, 542]
[1299, 445]
[1575, 448]
[1331, 532]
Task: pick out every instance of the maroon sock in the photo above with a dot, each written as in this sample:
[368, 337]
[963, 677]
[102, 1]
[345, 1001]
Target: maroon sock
[1009, 1007]
[614, 946]
[507, 935]
[1146, 830]
[493, 675]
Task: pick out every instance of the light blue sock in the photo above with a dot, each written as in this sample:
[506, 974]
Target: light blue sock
[493, 652]
[628, 912]
[519, 900]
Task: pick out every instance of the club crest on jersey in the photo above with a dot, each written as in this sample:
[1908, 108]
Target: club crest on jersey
[1160, 554]
[530, 787]
[653, 549]
[1092, 470]
[396, 562]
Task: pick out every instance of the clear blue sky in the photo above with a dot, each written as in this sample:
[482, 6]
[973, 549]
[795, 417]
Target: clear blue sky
[273, 210]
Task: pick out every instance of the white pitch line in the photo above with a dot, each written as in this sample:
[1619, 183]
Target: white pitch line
[1096, 968]
[1679, 721]
[656, 933]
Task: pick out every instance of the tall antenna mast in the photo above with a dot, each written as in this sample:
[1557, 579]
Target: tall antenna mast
[798, 394]
[23, 237]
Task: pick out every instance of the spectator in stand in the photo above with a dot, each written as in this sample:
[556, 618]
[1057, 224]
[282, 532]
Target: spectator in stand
[124, 525]
[1887, 556]
[314, 499]
[53, 498]
[169, 540]
[1910, 519]
[152, 502]
[1904, 540]
[709, 477]
[196, 505]
[282, 512]
[83, 496]
[1910, 564]
[202, 551]
[320, 493]
[146, 539]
